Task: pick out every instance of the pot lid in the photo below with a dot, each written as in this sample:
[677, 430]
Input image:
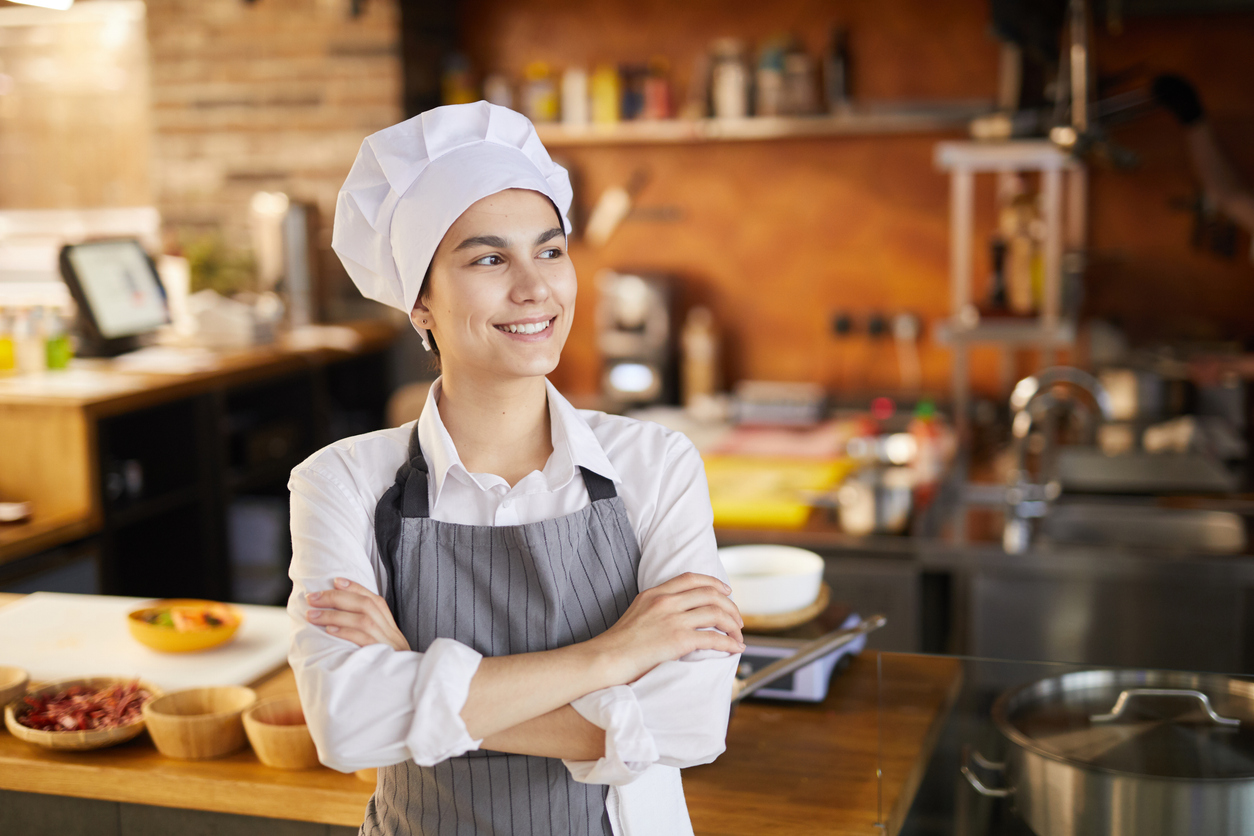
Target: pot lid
[1144, 723]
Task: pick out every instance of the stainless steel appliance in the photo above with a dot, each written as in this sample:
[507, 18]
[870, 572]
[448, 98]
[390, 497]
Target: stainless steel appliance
[1149, 753]
[636, 337]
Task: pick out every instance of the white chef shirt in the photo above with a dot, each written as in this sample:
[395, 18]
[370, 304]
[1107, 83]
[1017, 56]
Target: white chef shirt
[374, 706]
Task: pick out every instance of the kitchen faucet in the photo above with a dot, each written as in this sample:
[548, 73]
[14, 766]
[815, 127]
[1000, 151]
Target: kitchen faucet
[1032, 403]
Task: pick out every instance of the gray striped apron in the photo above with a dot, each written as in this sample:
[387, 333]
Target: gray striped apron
[501, 590]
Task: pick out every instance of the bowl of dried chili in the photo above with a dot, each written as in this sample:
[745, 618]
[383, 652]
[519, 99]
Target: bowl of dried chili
[81, 713]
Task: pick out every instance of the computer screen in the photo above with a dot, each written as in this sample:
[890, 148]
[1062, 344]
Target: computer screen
[120, 287]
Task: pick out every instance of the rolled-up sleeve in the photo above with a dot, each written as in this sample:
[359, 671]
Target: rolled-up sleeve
[365, 706]
[677, 713]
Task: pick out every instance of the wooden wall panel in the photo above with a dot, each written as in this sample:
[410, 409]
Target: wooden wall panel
[74, 107]
[275, 96]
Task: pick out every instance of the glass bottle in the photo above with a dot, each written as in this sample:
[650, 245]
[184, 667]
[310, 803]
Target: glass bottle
[8, 359]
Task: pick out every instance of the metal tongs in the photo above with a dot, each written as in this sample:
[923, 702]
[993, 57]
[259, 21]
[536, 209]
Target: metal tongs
[804, 655]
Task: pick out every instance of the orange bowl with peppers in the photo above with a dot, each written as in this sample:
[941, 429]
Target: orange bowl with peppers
[183, 625]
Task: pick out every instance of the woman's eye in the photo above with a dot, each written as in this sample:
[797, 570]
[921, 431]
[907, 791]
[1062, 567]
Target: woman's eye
[490, 260]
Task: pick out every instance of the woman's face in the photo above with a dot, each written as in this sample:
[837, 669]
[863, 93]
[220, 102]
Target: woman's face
[501, 293]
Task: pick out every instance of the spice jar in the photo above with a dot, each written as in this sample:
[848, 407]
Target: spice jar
[729, 80]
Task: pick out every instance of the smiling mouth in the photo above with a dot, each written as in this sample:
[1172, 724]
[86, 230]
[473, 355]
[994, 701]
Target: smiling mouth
[528, 328]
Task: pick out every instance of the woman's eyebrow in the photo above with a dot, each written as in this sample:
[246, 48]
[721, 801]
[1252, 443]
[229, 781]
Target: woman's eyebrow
[483, 241]
[548, 235]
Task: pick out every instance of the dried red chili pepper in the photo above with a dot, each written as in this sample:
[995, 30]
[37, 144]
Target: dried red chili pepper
[79, 708]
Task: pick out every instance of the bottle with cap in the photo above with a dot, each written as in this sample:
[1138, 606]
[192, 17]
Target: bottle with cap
[605, 95]
[57, 348]
[575, 96]
[729, 85]
[28, 343]
[8, 360]
[657, 90]
[539, 93]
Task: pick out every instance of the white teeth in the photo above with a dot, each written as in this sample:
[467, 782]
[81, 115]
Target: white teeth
[526, 328]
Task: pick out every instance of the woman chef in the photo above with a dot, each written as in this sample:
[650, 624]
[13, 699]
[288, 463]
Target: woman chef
[512, 607]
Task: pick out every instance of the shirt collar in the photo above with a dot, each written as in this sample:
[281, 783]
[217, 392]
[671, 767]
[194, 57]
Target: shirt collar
[574, 444]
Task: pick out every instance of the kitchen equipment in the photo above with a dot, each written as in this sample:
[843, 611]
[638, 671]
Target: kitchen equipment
[278, 734]
[283, 231]
[74, 740]
[877, 500]
[1115, 752]
[55, 635]
[199, 723]
[805, 655]
[806, 684]
[636, 337]
[170, 640]
[793, 618]
[779, 403]
[118, 294]
[770, 580]
[13, 682]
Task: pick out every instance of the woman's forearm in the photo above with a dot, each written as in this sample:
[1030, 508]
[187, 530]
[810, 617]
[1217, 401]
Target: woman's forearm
[558, 734]
[507, 691]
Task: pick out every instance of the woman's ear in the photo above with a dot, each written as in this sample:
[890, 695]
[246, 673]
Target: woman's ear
[420, 316]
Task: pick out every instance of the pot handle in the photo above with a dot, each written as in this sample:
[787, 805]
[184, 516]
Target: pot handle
[1125, 697]
[979, 786]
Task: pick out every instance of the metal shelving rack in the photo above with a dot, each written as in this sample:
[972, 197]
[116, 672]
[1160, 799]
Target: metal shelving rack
[1064, 187]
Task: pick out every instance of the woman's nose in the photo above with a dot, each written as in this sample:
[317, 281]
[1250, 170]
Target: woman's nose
[530, 284]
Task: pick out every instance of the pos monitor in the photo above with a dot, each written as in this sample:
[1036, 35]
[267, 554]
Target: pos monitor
[119, 295]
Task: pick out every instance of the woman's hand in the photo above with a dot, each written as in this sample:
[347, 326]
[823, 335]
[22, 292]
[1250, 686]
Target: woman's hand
[665, 623]
[352, 612]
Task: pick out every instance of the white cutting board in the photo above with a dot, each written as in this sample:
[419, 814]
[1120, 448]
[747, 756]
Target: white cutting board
[57, 636]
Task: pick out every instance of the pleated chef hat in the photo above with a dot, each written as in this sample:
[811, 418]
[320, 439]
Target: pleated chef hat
[411, 181]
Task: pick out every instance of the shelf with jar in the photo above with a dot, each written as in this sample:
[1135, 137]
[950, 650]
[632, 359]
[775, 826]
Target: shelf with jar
[734, 93]
[1036, 252]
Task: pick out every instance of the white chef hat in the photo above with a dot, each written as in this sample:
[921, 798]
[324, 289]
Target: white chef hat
[411, 181]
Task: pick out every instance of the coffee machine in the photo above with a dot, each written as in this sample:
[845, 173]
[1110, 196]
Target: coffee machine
[637, 338]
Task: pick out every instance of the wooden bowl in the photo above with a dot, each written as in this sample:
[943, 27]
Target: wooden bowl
[199, 723]
[75, 740]
[276, 729]
[13, 682]
[170, 640]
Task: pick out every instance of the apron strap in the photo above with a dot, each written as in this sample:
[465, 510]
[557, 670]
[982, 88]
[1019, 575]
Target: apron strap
[598, 486]
[406, 498]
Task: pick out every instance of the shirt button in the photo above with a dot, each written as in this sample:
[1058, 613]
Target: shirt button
[506, 503]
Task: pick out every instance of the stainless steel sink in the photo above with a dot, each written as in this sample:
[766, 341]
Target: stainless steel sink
[1087, 470]
[1145, 526]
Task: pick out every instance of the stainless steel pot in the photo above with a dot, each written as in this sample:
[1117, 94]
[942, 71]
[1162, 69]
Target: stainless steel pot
[1144, 753]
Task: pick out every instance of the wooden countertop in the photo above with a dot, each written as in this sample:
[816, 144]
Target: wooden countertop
[230, 368]
[788, 769]
[55, 466]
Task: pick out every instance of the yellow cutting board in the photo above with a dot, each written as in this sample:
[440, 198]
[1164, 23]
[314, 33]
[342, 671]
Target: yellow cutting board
[758, 492]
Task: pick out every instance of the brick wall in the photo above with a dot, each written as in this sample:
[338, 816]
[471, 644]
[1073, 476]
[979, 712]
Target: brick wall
[272, 95]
